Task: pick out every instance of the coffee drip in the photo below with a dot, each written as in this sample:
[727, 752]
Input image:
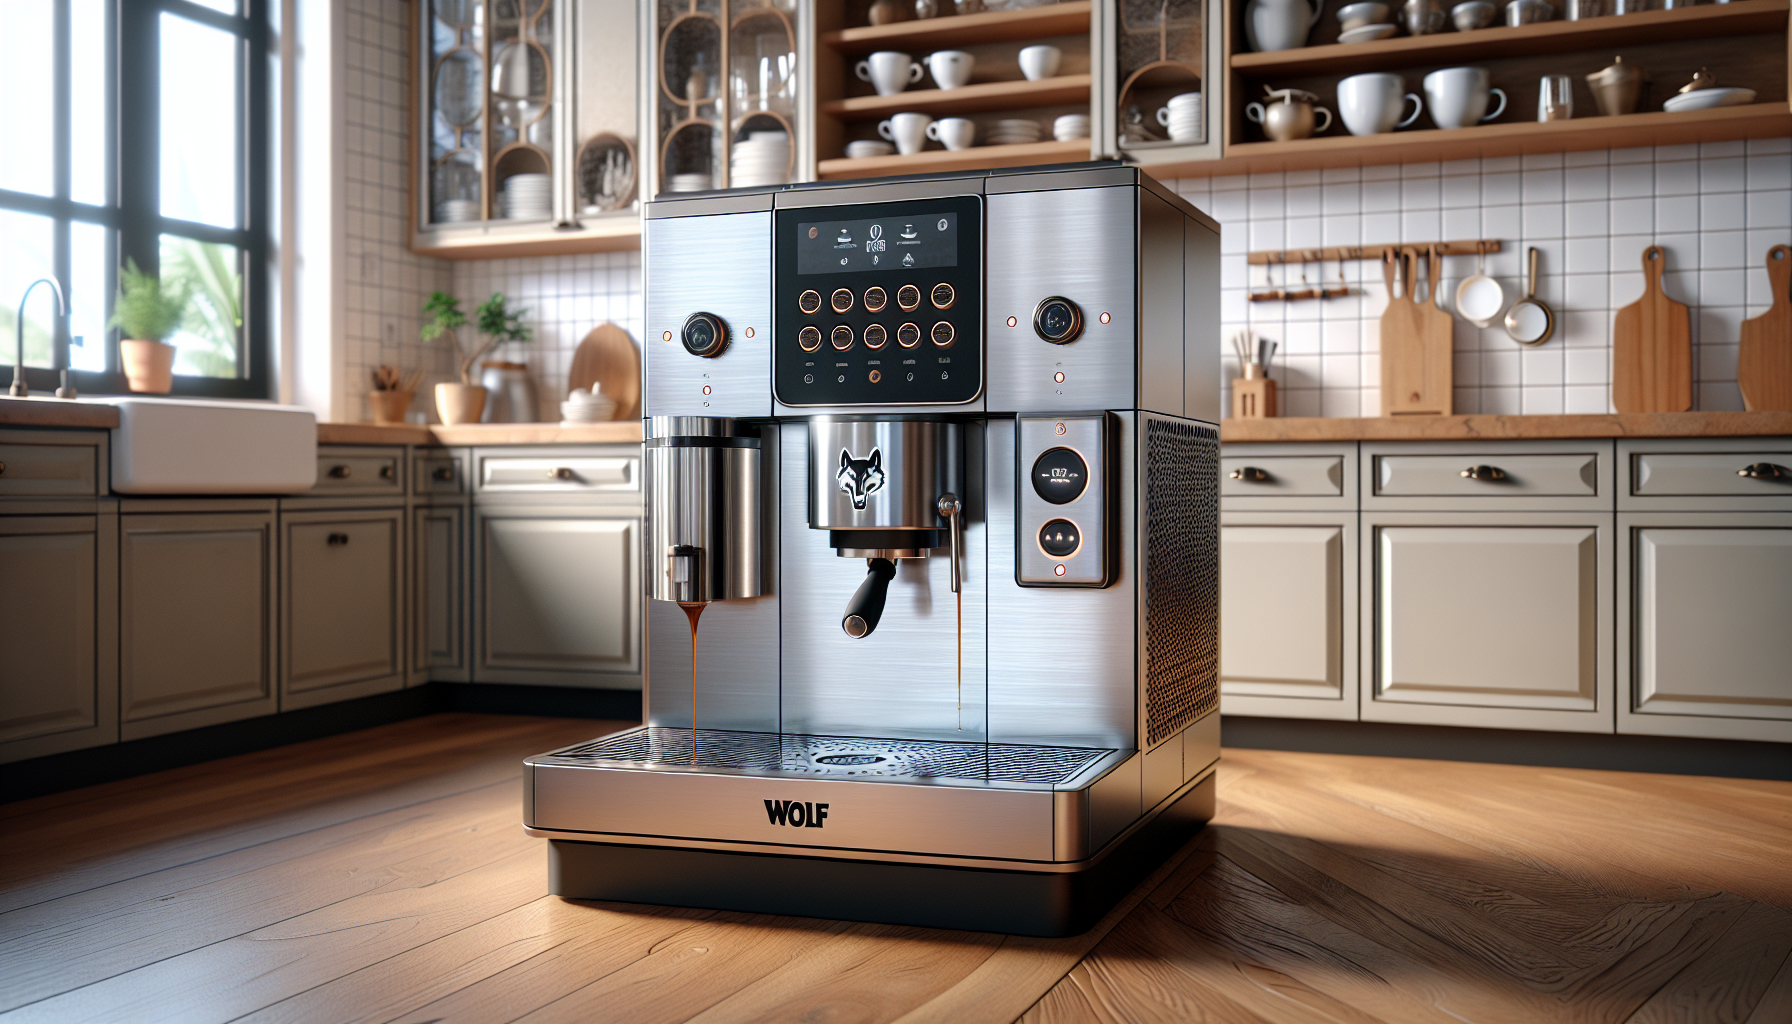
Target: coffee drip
[693, 610]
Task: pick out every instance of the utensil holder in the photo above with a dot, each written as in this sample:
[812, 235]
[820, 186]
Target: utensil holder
[1253, 398]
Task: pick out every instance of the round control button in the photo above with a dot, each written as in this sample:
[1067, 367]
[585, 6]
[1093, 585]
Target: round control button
[876, 375]
[943, 296]
[704, 334]
[809, 302]
[1060, 538]
[1060, 475]
[908, 335]
[1058, 320]
[908, 297]
[876, 336]
[841, 338]
[809, 338]
[943, 334]
[876, 299]
[841, 300]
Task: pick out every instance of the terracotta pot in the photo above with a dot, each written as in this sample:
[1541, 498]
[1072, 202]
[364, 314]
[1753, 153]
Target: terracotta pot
[460, 403]
[148, 365]
[390, 406]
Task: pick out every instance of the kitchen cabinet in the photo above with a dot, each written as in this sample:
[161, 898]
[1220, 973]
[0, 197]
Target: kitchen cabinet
[440, 600]
[61, 643]
[342, 607]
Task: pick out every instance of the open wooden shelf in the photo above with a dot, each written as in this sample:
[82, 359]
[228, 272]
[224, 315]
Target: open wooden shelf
[607, 235]
[933, 161]
[1742, 17]
[967, 99]
[1062, 19]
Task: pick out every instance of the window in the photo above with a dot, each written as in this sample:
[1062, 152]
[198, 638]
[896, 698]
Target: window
[136, 129]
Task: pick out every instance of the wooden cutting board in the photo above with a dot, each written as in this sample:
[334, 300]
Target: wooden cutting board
[1416, 342]
[608, 358]
[1652, 347]
[1764, 366]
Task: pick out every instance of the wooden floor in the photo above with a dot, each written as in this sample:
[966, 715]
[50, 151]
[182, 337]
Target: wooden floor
[383, 876]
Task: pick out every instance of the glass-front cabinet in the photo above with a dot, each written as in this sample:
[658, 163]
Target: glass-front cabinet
[1165, 75]
[526, 140]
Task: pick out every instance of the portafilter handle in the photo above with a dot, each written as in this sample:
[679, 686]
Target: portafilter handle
[867, 604]
[953, 509]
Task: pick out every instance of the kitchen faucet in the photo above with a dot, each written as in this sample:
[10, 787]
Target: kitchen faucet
[19, 388]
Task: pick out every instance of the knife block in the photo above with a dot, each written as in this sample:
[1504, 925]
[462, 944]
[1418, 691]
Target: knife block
[1253, 397]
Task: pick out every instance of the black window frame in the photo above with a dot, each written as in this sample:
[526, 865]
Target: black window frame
[132, 210]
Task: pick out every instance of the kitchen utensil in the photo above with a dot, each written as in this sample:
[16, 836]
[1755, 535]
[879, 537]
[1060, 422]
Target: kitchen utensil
[1280, 24]
[1764, 365]
[955, 133]
[1037, 62]
[1530, 321]
[1580, 10]
[1617, 87]
[862, 149]
[907, 130]
[1705, 99]
[1416, 341]
[1457, 97]
[1652, 347]
[1370, 104]
[1529, 12]
[1367, 33]
[1359, 14]
[1555, 98]
[888, 72]
[1254, 393]
[1422, 17]
[1701, 79]
[951, 69]
[607, 360]
[1479, 298]
[1475, 14]
[1288, 114]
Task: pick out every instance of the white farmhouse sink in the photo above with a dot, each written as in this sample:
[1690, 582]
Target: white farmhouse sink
[195, 446]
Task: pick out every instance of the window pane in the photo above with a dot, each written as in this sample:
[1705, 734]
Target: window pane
[199, 122]
[89, 297]
[27, 74]
[209, 341]
[87, 96]
[25, 243]
[227, 6]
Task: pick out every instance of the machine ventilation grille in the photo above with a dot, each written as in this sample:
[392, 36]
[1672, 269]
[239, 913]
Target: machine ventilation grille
[1182, 582]
[714, 749]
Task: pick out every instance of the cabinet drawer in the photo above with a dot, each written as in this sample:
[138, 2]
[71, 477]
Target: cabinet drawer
[1487, 475]
[1765, 474]
[438, 476]
[1282, 476]
[576, 474]
[53, 469]
[368, 471]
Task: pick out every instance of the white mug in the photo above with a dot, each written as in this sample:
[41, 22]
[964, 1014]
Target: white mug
[1038, 62]
[954, 133]
[1182, 116]
[951, 68]
[889, 72]
[1371, 104]
[908, 131]
[1457, 97]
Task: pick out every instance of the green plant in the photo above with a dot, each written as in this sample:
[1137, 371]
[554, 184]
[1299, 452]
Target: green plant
[147, 309]
[214, 317]
[494, 319]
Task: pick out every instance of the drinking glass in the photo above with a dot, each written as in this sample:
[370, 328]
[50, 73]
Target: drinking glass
[1555, 98]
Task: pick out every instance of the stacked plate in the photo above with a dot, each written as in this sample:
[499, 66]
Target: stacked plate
[1013, 131]
[690, 183]
[861, 149]
[526, 197]
[456, 211]
[1183, 117]
[1071, 126]
[762, 158]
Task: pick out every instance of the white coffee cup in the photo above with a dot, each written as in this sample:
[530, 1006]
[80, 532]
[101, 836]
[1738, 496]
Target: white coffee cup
[954, 133]
[1371, 104]
[1182, 116]
[1038, 62]
[889, 72]
[1457, 97]
[951, 68]
[908, 131]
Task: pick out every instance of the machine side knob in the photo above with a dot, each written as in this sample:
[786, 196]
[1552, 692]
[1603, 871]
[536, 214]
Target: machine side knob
[704, 334]
[1058, 320]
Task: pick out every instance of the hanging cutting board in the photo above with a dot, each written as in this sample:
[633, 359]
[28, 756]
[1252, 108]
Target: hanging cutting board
[608, 358]
[1652, 347]
[1416, 342]
[1764, 366]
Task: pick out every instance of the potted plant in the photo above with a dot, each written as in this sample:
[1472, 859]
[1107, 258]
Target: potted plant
[392, 393]
[464, 401]
[147, 314]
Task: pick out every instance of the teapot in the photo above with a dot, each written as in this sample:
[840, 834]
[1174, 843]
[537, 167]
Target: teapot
[1280, 24]
[1287, 114]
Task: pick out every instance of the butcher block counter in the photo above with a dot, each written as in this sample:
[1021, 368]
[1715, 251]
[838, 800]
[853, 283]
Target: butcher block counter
[1507, 428]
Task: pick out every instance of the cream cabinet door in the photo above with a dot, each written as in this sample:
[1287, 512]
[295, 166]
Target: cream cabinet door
[557, 598]
[58, 693]
[1286, 604]
[1489, 620]
[343, 607]
[438, 592]
[1710, 601]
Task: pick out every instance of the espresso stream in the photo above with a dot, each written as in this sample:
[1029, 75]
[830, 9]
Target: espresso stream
[693, 610]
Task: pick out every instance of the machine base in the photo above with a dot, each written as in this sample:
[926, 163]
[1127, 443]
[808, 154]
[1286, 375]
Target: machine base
[1038, 903]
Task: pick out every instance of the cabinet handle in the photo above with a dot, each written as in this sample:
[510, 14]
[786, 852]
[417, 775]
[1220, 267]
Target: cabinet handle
[443, 473]
[1486, 473]
[1765, 471]
[1251, 474]
[563, 473]
[2, 468]
[338, 540]
[339, 472]
[387, 472]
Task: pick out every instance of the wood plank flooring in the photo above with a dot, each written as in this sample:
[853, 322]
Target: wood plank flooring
[383, 876]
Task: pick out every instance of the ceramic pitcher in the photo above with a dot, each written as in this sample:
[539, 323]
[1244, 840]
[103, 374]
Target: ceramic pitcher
[1280, 24]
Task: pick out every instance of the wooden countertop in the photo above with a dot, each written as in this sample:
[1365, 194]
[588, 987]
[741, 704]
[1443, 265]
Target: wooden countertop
[55, 412]
[618, 432]
[1507, 428]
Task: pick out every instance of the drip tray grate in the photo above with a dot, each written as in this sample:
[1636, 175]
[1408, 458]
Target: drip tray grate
[835, 755]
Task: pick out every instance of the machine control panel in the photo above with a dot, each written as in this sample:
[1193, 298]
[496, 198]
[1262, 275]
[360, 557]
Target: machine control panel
[1062, 522]
[879, 304]
[704, 334]
[1058, 320]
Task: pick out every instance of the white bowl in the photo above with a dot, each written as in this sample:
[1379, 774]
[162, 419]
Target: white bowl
[1705, 99]
[1368, 33]
[863, 149]
[1357, 15]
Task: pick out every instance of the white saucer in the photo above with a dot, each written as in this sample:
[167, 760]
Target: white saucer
[1705, 99]
[1367, 33]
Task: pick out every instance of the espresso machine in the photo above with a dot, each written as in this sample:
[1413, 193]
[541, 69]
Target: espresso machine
[931, 542]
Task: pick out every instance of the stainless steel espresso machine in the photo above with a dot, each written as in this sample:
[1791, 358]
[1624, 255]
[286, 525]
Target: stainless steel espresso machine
[932, 542]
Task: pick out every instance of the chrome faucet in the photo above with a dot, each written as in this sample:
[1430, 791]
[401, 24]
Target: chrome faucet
[19, 389]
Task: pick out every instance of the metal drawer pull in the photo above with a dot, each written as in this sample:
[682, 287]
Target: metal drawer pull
[2, 467]
[1487, 473]
[1765, 471]
[563, 473]
[339, 472]
[443, 473]
[1251, 474]
[388, 473]
[337, 539]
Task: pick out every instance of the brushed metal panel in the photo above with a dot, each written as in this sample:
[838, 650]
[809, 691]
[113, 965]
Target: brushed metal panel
[1200, 745]
[1707, 473]
[1282, 611]
[1528, 475]
[1115, 802]
[1064, 665]
[919, 459]
[1080, 244]
[1201, 368]
[902, 680]
[1161, 305]
[716, 264]
[1162, 773]
[880, 192]
[1289, 476]
[1087, 435]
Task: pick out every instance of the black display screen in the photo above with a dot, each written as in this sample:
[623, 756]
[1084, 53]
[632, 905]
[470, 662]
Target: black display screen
[914, 242]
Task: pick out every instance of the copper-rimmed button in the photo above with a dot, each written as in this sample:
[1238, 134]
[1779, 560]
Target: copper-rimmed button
[943, 296]
[809, 302]
[876, 375]
[876, 336]
[809, 338]
[908, 297]
[841, 300]
[908, 335]
[841, 338]
[876, 299]
[944, 334]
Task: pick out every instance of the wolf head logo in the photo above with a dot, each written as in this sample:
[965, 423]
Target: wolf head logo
[861, 477]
